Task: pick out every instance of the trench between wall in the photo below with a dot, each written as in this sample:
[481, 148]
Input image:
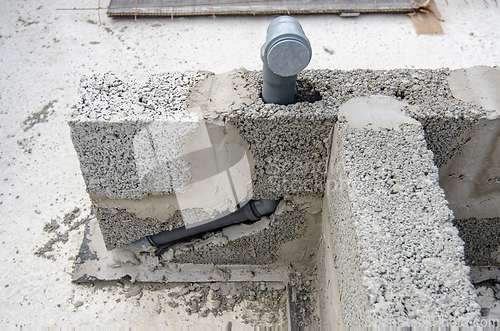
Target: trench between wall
[479, 228]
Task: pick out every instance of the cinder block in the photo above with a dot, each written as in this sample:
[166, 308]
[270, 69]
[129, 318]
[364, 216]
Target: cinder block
[191, 144]
[398, 256]
[388, 238]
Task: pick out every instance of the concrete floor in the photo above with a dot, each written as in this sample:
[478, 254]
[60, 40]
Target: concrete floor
[45, 52]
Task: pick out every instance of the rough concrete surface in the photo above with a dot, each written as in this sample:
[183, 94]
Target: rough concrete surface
[108, 129]
[392, 217]
[46, 51]
[482, 240]
[288, 145]
[402, 104]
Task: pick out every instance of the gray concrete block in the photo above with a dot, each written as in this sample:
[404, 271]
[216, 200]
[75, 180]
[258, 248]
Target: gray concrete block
[396, 252]
[128, 133]
[118, 125]
[399, 257]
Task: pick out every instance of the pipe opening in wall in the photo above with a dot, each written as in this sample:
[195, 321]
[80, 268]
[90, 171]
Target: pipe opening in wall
[305, 92]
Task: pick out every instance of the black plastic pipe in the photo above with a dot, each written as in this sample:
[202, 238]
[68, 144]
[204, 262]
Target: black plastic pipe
[252, 211]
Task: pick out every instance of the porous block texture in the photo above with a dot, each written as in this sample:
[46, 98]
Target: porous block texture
[129, 134]
[115, 128]
[399, 258]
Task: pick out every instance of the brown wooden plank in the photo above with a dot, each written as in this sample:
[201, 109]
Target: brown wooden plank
[426, 22]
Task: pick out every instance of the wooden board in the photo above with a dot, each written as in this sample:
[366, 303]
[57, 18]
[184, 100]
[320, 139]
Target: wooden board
[426, 19]
[252, 7]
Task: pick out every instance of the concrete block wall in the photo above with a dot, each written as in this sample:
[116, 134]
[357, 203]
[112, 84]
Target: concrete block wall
[121, 123]
[131, 135]
[133, 185]
[116, 126]
[399, 258]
